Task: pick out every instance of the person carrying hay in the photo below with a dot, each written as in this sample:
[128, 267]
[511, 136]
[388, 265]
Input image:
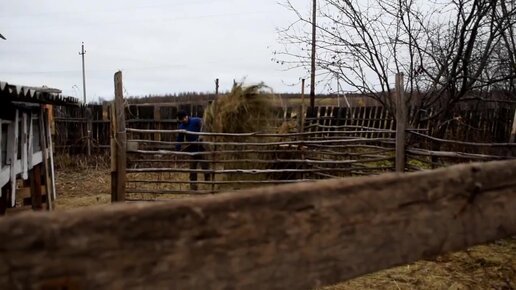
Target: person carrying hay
[192, 124]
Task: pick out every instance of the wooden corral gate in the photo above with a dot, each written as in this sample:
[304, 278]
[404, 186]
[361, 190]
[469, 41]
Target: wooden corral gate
[297, 236]
[26, 159]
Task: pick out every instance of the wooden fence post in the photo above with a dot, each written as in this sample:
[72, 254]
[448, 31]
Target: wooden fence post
[48, 157]
[513, 131]
[35, 188]
[118, 143]
[301, 127]
[157, 122]
[89, 129]
[113, 129]
[51, 159]
[216, 88]
[401, 123]
[213, 168]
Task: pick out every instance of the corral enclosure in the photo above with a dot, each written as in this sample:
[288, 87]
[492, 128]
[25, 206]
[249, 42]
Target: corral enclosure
[474, 120]
[251, 230]
[303, 145]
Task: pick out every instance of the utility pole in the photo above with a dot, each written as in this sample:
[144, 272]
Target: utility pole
[82, 53]
[312, 75]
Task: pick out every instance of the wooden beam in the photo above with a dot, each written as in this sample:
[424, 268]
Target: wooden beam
[89, 129]
[30, 157]
[24, 146]
[512, 138]
[157, 122]
[12, 155]
[51, 177]
[3, 199]
[401, 123]
[1, 150]
[48, 161]
[120, 140]
[297, 236]
[44, 131]
[35, 188]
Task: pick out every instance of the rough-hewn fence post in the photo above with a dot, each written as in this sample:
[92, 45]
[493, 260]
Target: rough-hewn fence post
[118, 143]
[89, 128]
[301, 125]
[513, 131]
[401, 123]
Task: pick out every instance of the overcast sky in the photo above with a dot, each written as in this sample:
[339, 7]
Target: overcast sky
[161, 46]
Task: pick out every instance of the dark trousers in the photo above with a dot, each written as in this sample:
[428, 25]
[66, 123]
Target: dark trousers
[193, 165]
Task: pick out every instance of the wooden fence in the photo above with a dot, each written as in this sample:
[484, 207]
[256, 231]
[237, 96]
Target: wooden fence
[297, 236]
[487, 124]
[235, 161]
[334, 143]
[294, 236]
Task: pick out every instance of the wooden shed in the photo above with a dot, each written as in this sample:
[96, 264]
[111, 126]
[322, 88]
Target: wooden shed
[26, 162]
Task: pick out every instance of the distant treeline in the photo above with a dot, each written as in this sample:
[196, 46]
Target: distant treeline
[489, 99]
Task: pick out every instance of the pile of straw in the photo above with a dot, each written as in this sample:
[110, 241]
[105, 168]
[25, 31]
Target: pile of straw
[245, 109]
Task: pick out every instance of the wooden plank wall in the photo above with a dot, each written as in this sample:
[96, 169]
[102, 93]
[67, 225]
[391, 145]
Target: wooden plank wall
[298, 236]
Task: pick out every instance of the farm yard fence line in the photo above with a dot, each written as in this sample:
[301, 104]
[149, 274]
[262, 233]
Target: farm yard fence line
[470, 123]
[296, 236]
[147, 167]
[70, 127]
[251, 159]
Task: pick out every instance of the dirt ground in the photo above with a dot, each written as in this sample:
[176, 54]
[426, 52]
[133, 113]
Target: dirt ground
[491, 266]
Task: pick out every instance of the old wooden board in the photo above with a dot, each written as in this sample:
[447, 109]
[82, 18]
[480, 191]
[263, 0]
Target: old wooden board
[287, 237]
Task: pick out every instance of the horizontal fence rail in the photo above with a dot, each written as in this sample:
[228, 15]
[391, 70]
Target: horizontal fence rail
[75, 129]
[234, 160]
[297, 236]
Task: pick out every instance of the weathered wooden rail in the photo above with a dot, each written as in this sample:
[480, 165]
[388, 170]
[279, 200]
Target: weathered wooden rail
[296, 236]
[249, 159]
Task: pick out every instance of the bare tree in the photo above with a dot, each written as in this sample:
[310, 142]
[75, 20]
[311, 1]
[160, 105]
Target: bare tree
[449, 50]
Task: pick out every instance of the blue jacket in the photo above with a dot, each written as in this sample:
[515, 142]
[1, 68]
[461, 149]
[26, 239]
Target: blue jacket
[194, 125]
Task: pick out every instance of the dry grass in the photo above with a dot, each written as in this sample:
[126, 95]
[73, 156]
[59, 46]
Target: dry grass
[491, 266]
[82, 187]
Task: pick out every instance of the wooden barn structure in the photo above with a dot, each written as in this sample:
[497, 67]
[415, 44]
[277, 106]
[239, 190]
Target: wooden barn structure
[26, 162]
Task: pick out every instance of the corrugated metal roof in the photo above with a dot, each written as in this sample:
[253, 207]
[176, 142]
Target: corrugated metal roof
[33, 95]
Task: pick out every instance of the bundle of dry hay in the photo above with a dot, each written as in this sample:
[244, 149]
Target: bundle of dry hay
[245, 109]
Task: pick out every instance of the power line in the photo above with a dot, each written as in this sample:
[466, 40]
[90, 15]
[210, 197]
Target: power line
[146, 21]
[95, 10]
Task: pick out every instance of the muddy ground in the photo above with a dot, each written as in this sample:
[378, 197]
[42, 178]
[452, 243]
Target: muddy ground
[491, 266]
